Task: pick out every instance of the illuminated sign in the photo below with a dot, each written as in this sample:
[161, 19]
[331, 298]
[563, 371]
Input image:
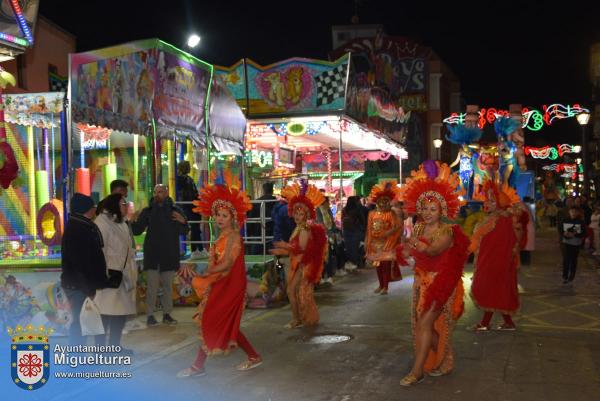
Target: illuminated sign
[260, 158]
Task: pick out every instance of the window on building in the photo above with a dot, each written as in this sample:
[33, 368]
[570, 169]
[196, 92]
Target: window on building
[52, 69]
[21, 63]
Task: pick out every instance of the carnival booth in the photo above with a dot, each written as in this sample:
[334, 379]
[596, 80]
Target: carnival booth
[140, 108]
[298, 124]
[136, 109]
[32, 171]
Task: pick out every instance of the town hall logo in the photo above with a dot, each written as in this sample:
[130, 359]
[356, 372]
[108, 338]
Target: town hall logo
[30, 356]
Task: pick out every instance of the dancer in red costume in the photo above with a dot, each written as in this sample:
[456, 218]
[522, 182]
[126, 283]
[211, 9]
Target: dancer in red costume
[222, 289]
[384, 229]
[495, 242]
[440, 252]
[307, 249]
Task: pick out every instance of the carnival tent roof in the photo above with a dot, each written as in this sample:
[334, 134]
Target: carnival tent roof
[146, 86]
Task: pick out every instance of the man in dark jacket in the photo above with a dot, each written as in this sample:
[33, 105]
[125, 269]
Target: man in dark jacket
[188, 192]
[163, 222]
[83, 264]
[283, 227]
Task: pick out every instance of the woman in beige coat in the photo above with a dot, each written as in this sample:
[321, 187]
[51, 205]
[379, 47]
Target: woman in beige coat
[116, 304]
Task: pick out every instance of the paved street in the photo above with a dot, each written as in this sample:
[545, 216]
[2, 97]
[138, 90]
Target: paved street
[555, 354]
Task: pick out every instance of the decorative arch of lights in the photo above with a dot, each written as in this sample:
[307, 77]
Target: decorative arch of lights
[550, 152]
[533, 119]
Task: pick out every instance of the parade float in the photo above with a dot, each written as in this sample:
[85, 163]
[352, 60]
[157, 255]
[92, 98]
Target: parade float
[505, 158]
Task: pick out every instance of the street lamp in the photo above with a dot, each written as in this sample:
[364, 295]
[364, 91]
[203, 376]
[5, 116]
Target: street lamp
[438, 144]
[583, 119]
[193, 40]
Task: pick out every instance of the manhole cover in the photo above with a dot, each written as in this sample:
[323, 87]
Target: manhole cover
[326, 338]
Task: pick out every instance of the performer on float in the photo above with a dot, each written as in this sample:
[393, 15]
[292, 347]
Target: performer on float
[307, 249]
[222, 289]
[495, 242]
[384, 229]
[467, 157]
[509, 168]
[440, 252]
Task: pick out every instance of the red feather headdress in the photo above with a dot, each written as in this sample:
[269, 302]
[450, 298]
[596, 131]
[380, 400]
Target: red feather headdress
[386, 189]
[433, 181]
[504, 195]
[302, 194]
[217, 196]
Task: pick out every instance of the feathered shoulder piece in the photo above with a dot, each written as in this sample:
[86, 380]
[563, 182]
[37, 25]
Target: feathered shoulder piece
[225, 194]
[504, 126]
[433, 181]
[302, 193]
[504, 195]
[386, 189]
[463, 135]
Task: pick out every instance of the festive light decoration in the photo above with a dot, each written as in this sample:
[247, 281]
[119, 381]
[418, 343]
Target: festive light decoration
[22, 22]
[352, 134]
[533, 120]
[547, 152]
[565, 148]
[570, 168]
[13, 39]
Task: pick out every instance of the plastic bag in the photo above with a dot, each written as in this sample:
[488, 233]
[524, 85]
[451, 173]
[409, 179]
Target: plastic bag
[89, 319]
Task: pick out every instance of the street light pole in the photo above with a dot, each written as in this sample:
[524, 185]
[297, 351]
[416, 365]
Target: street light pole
[583, 120]
[437, 143]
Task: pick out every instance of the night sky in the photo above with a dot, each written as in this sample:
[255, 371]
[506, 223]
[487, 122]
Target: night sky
[504, 52]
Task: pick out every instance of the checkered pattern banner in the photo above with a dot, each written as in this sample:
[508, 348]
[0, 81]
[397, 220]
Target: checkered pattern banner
[331, 85]
[58, 83]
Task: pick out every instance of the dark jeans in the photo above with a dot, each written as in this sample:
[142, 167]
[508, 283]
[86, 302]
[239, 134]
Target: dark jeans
[113, 325]
[195, 232]
[352, 239]
[570, 261]
[196, 235]
[76, 298]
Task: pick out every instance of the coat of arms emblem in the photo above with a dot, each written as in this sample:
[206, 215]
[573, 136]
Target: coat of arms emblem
[30, 356]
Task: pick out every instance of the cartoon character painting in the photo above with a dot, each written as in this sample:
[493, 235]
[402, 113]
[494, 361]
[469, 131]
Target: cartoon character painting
[277, 89]
[294, 84]
[17, 304]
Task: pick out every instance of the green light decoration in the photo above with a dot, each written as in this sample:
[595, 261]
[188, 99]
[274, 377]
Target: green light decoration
[533, 120]
[296, 129]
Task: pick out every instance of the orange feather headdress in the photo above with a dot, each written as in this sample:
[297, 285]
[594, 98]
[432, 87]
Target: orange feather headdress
[302, 194]
[386, 189]
[218, 196]
[504, 195]
[434, 181]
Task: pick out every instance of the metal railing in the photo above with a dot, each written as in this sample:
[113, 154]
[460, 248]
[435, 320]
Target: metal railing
[263, 219]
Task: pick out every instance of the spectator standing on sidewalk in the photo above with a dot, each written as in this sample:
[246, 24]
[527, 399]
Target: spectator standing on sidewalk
[163, 222]
[116, 304]
[187, 192]
[83, 264]
[354, 224]
[572, 231]
[325, 218]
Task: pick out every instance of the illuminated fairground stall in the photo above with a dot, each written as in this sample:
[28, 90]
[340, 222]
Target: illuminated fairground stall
[139, 109]
[32, 209]
[136, 109]
[298, 126]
